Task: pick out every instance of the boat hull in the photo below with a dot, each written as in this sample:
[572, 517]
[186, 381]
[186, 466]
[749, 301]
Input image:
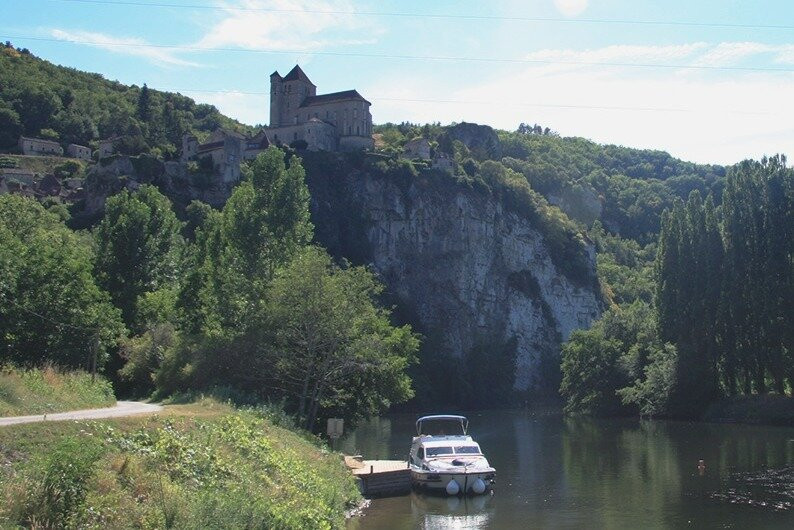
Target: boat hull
[435, 481]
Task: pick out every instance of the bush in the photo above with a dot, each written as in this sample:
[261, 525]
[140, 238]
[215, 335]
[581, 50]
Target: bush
[59, 491]
[47, 389]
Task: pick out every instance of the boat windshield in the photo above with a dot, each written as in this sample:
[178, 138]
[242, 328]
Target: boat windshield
[457, 450]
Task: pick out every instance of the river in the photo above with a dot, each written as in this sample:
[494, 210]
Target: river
[558, 472]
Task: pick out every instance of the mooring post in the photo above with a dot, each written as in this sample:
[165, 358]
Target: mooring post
[371, 469]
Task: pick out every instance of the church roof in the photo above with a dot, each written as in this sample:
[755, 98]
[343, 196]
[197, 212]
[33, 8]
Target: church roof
[345, 95]
[296, 74]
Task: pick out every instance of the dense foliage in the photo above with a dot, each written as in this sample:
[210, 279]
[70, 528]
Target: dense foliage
[625, 189]
[40, 99]
[256, 308]
[51, 308]
[139, 252]
[724, 296]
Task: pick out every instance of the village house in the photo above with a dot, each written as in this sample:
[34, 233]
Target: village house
[23, 176]
[80, 152]
[17, 181]
[39, 147]
[106, 148]
[340, 121]
[443, 162]
[418, 148]
[225, 150]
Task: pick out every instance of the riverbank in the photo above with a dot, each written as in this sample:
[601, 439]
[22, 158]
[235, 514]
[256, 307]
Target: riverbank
[200, 465]
[766, 409]
[45, 390]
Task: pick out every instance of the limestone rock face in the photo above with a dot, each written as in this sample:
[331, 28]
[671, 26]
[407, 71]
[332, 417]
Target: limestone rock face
[467, 271]
[480, 139]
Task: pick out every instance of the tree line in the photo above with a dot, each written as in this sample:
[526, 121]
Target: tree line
[237, 300]
[38, 98]
[720, 323]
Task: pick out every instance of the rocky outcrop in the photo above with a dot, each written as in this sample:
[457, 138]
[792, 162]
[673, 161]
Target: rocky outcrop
[467, 272]
[118, 172]
[480, 139]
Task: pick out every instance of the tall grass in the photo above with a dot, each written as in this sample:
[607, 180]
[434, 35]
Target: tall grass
[218, 467]
[48, 389]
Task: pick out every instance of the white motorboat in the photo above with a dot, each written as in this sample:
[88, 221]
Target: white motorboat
[445, 459]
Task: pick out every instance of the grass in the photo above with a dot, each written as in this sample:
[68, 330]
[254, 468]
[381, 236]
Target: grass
[44, 390]
[199, 465]
[43, 165]
[766, 409]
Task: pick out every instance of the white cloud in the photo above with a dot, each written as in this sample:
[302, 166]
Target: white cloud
[127, 46]
[571, 8]
[711, 116]
[289, 26]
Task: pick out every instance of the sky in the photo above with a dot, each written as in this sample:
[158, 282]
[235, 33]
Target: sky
[709, 81]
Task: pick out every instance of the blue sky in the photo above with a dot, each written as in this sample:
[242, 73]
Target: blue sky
[707, 80]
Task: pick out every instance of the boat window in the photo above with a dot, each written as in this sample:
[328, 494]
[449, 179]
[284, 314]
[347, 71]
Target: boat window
[421, 452]
[438, 451]
[467, 450]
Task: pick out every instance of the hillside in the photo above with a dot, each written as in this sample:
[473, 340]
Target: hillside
[203, 465]
[38, 98]
[495, 245]
[626, 189]
[36, 391]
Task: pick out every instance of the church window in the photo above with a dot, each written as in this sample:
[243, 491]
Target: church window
[289, 89]
[357, 131]
[349, 130]
[355, 113]
[296, 119]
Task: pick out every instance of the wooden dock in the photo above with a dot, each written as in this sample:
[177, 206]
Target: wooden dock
[380, 478]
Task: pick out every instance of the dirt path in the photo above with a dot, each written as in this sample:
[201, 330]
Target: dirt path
[122, 408]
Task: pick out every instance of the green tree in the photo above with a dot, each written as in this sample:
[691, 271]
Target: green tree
[144, 106]
[51, 309]
[10, 127]
[332, 345]
[262, 226]
[591, 373]
[139, 249]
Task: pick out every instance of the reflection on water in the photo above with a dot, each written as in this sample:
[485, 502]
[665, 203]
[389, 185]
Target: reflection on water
[555, 472]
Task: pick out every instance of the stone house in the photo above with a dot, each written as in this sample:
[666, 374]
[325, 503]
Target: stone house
[225, 149]
[23, 176]
[17, 181]
[106, 148]
[416, 148]
[336, 121]
[39, 147]
[443, 162]
[80, 152]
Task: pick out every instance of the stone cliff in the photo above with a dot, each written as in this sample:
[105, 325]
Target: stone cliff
[465, 271]
[476, 278]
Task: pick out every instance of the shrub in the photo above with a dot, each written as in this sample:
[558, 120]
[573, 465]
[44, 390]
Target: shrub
[59, 493]
[47, 389]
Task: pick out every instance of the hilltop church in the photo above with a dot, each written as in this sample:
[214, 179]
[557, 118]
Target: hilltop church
[330, 122]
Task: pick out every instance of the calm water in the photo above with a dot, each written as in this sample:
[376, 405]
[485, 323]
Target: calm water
[556, 472]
